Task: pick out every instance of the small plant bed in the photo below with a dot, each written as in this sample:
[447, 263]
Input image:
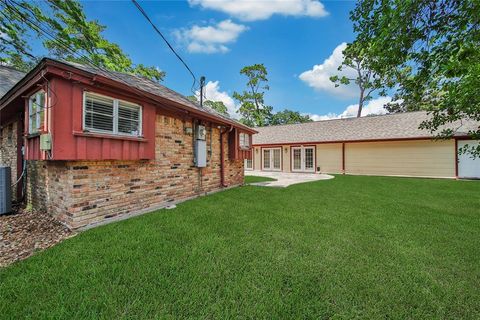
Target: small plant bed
[255, 179]
[22, 233]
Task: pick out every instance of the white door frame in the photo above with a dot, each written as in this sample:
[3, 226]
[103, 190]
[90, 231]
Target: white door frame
[303, 159]
[271, 162]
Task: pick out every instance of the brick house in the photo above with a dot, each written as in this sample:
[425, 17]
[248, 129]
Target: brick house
[97, 145]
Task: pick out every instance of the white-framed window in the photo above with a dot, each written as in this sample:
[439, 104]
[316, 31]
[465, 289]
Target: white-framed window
[36, 111]
[248, 164]
[244, 140]
[104, 114]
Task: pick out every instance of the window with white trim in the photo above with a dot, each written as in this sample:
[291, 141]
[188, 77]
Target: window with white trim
[244, 140]
[103, 114]
[248, 164]
[36, 111]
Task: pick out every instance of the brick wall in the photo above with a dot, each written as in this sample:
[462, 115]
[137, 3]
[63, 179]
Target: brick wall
[8, 150]
[86, 192]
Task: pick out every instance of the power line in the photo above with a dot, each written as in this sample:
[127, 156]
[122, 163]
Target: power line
[164, 39]
[62, 44]
[45, 30]
[40, 29]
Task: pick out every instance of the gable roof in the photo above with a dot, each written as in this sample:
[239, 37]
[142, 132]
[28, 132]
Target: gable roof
[147, 85]
[138, 83]
[383, 127]
[8, 78]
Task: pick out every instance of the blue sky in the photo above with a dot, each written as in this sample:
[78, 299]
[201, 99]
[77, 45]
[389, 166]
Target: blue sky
[217, 39]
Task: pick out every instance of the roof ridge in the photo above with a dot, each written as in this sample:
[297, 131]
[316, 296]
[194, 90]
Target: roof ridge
[344, 119]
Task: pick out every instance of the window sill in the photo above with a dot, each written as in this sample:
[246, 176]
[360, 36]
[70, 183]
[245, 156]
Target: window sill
[33, 135]
[245, 148]
[108, 136]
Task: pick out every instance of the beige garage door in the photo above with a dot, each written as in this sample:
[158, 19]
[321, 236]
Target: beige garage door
[420, 158]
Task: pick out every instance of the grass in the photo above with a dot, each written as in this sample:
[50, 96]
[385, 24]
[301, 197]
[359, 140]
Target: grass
[254, 179]
[351, 247]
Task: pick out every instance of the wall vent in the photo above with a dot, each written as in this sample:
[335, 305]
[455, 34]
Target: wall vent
[5, 190]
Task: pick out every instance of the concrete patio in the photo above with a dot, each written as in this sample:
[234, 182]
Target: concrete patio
[284, 179]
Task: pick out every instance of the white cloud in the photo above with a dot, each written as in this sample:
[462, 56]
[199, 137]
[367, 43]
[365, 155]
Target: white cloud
[251, 10]
[319, 76]
[373, 107]
[3, 35]
[212, 92]
[210, 39]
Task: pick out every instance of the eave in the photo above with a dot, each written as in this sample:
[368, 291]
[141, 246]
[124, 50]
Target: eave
[49, 66]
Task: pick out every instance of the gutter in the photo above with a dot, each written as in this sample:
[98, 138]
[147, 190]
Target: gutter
[354, 141]
[222, 157]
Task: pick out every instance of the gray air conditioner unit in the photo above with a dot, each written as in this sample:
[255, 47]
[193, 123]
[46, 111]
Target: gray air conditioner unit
[5, 190]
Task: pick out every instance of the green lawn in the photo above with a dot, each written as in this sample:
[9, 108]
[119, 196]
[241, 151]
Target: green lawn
[351, 247]
[253, 179]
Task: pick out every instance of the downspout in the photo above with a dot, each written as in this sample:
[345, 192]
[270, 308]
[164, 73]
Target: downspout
[222, 157]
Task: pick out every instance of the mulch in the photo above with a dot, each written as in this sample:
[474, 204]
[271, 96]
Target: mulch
[24, 233]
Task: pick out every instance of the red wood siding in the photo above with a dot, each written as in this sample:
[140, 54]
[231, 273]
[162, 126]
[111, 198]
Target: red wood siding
[69, 142]
[234, 150]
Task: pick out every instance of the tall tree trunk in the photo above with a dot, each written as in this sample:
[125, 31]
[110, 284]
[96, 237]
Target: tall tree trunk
[360, 103]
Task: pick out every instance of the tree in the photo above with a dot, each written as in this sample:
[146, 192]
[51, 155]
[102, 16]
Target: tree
[366, 80]
[252, 108]
[428, 54]
[218, 106]
[67, 35]
[288, 117]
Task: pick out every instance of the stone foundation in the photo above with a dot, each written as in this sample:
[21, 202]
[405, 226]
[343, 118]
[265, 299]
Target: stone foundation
[81, 193]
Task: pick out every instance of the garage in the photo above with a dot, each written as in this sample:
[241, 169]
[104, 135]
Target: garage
[468, 167]
[383, 145]
[417, 158]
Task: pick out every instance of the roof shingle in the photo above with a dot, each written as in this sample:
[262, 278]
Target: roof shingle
[147, 85]
[8, 78]
[384, 127]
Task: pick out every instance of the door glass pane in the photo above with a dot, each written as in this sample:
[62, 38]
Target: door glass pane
[276, 159]
[297, 159]
[308, 158]
[266, 159]
[248, 163]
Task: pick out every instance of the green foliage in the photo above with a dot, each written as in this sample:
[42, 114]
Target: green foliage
[252, 109]
[70, 37]
[218, 106]
[428, 54]
[255, 179]
[366, 80]
[192, 98]
[288, 117]
[348, 248]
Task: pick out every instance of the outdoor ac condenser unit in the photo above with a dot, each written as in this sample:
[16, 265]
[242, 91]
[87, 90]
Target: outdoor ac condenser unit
[5, 190]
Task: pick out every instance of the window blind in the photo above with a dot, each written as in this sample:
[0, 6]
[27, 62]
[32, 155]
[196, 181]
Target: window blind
[108, 115]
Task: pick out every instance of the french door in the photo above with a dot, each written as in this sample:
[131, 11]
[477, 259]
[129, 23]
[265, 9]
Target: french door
[303, 159]
[272, 159]
[248, 164]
